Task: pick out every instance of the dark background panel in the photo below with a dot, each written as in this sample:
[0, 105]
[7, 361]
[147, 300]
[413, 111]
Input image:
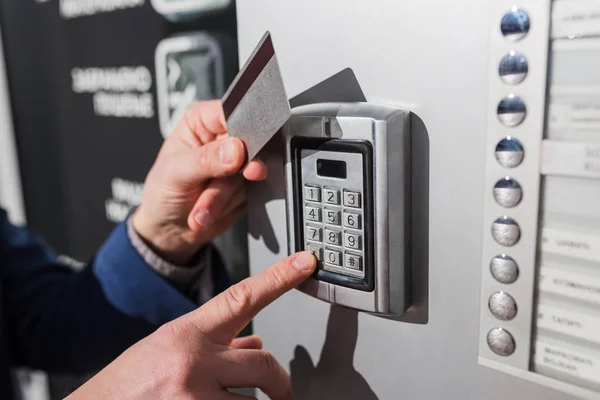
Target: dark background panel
[34, 68]
[68, 155]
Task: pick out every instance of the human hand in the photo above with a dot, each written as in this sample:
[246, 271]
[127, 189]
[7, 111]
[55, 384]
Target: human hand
[196, 355]
[193, 192]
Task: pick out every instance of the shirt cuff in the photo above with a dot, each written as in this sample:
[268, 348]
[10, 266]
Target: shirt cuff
[194, 280]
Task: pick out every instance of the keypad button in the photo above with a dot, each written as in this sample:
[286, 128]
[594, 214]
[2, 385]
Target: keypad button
[515, 24]
[333, 257]
[511, 110]
[510, 152]
[508, 192]
[313, 214]
[506, 231]
[313, 234]
[352, 199]
[352, 241]
[332, 217]
[503, 306]
[312, 193]
[353, 261]
[501, 342]
[504, 269]
[352, 220]
[316, 250]
[331, 196]
[333, 237]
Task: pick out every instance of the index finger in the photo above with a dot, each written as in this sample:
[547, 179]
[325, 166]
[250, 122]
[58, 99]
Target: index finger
[226, 315]
[202, 123]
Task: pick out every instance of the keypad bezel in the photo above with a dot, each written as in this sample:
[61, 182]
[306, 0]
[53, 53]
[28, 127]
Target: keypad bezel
[365, 212]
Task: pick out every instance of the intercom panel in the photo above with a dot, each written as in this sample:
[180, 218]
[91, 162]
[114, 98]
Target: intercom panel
[539, 317]
[347, 180]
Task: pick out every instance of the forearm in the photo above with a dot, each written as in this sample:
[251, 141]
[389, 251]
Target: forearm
[65, 321]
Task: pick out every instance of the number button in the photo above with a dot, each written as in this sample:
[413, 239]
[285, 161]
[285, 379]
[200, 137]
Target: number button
[352, 221]
[332, 217]
[333, 257]
[352, 261]
[312, 193]
[313, 214]
[352, 199]
[352, 241]
[333, 237]
[331, 196]
[316, 250]
[313, 234]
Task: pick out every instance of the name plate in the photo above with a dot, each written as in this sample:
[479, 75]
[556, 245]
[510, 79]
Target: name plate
[567, 322]
[575, 286]
[571, 159]
[581, 365]
[573, 244]
[578, 112]
[575, 18]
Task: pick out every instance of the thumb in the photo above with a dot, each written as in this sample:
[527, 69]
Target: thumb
[213, 160]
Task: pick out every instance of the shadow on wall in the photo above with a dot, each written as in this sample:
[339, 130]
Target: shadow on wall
[334, 376]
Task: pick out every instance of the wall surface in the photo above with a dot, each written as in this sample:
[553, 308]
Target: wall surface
[430, 56]
[11, 197]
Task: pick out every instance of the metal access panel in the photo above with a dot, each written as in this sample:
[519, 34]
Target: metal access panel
[504, 217]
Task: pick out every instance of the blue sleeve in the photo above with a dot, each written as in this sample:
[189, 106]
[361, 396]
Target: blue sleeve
[60, 320]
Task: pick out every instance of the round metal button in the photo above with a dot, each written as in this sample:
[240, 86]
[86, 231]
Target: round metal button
[503, 306]
[506, 231]
[504, 269]
[508, 192]
[513, 68]
[511, 110]
[501, 342]
[509, 152]
[515, 24]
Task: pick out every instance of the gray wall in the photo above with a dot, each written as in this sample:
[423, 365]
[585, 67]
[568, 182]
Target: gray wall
[430, 56]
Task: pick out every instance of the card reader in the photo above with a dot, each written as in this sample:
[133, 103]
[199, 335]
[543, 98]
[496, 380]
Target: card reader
[347, 198]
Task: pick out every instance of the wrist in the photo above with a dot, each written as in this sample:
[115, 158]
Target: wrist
[164, 239]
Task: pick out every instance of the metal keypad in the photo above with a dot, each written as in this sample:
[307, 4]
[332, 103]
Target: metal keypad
[334, 227]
